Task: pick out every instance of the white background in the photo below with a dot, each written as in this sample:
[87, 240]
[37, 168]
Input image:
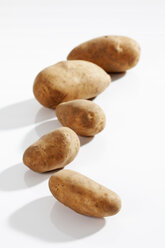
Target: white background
[128, 156]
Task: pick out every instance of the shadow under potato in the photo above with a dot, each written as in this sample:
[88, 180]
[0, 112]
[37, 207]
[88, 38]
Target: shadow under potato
[19, 177]
[50, 221]
[23, 114]
[116, 76]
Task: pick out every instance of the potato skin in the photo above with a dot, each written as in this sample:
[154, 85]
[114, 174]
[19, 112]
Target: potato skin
[112, 53]
[52, 151]
[83, 116]
[68, 80]
[83, 195]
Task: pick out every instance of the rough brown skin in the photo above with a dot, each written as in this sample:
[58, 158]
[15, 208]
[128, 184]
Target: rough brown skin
[83, 195]
[83, 116]
[52, 151]
[69, 80]
[112, 53]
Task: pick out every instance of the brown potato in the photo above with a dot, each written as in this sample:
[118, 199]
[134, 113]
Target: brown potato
[83, 116]
[112, 53]
[69, 80]
[83, 195]
[52, 151]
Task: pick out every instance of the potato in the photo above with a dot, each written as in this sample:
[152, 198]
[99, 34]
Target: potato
[52, 151]
[69, 80]
[83, 195]
[83, 116]
[112, 53]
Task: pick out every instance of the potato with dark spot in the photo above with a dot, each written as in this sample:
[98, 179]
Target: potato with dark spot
[83, 195]
[83, 116]
[112, 53]
[52, 151]
[69, 80]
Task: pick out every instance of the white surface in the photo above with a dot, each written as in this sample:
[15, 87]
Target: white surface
[128, 156]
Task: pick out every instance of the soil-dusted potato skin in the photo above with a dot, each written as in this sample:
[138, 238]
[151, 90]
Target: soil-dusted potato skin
[52, 151]
[83, 195]
[83, 116]
[112, 53]
[69, 80]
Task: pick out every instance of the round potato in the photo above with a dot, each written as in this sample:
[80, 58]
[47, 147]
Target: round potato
[83, 195]
[69, 80]
[112, 53]
[83, 116]
[52, 151]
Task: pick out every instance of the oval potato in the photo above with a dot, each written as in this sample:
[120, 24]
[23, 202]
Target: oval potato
[52, 151]
[83, 195]
[69, 80]
[83, 116]
[112, 53]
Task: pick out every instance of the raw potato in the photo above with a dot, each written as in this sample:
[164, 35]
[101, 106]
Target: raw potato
[83, 195]
[52, 151]
[112, 53]
[83, 116]
[69, 80]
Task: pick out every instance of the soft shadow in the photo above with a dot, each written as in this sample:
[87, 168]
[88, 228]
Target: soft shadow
[29, 138]
[19, 177]
[85, 140]
[50, 221]
[44, 114]
[73, 224]
[23, 114]
[47, 127]
[116, 76]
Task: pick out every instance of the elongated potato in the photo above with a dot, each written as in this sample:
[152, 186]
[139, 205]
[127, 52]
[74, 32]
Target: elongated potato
[83, 116]
[112, 53]
[83, 195]
[52, 151]
[69, 80]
